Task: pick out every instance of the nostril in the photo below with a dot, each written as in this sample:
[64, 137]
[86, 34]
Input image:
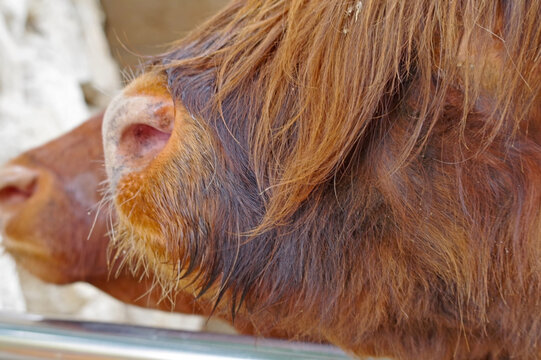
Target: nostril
[13, 195]
[17, 184]
[141, 140]
[136, 129]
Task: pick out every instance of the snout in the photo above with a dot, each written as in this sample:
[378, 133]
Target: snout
[17, 186]
[137, 126]
[48, 202]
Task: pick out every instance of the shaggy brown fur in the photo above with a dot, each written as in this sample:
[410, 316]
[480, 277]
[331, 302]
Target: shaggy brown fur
[366, 173]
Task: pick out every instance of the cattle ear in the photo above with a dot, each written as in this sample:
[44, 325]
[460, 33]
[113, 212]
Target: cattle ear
[137, 126]
[500, 78]
[480, 61]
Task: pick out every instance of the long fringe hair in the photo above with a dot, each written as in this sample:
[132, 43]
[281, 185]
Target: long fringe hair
[383, 170]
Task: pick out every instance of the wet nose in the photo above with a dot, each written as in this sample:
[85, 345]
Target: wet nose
[135, 131]
[17, 185]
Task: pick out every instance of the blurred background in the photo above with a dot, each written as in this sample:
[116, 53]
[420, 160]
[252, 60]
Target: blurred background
[60, 62]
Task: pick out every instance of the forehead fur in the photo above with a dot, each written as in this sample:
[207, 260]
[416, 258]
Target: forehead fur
[300, 84]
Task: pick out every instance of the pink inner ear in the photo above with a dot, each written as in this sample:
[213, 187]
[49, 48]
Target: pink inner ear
[142, 141]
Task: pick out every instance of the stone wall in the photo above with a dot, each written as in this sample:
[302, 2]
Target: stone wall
[49, 51]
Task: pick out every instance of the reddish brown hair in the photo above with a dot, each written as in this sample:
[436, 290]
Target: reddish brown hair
[362, 172]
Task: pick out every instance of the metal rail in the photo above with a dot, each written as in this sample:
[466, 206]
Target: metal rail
[29, 337]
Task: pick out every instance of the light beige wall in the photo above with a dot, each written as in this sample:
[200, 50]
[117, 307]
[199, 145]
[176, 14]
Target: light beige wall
[145, 27]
